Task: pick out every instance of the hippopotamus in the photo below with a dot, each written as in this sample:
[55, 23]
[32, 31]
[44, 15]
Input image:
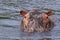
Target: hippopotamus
[36, 21]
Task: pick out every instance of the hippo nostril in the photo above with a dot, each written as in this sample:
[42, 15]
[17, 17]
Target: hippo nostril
[24, 17]
[47, 17]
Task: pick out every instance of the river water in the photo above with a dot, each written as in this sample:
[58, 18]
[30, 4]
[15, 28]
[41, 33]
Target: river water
[10, 19]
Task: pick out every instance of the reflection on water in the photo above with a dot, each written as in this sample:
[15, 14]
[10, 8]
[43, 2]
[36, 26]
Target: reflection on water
[39, 39]
[46, 39]
[10, 19]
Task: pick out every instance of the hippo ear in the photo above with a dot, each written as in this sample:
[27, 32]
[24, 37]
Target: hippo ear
[23, 13]
[49, 12]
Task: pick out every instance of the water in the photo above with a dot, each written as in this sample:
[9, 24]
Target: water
[10, 19]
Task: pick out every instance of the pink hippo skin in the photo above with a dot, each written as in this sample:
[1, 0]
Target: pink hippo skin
[36, 21]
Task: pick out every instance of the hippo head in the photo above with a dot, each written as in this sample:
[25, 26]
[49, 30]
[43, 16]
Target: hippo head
[36, 21]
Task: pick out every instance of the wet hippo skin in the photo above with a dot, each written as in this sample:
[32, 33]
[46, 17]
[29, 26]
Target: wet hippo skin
[36, 21]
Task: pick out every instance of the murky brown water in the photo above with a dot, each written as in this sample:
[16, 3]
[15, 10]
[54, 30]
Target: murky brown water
[10, 19]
